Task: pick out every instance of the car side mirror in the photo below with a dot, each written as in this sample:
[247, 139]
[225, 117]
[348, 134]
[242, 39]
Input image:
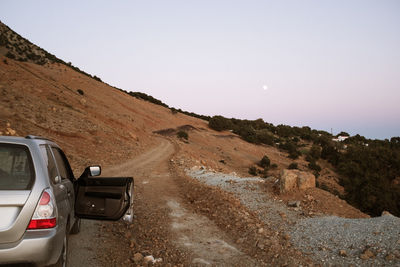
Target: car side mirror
[95, 170]
[91, 171]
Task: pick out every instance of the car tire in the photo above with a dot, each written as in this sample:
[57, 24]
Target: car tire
[76, 228]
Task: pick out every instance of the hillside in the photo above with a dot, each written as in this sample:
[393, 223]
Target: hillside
[98, 124]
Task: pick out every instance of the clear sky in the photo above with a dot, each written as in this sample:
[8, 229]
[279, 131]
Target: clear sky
[324, 64]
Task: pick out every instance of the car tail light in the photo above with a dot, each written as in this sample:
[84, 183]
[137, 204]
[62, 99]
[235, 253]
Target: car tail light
[45, 215]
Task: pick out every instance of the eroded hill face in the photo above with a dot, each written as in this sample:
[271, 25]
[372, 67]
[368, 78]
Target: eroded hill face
[97, 124]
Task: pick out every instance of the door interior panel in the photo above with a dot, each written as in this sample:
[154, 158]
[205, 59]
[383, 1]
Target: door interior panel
[102, 198]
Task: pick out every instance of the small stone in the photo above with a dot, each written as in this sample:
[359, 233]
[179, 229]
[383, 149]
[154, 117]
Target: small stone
[342, 253]
[261, 230]
[384, 213]
[137, 258]
[390, 257]
[294, 203]
[286, 237]
[148, 259]
[367, 254]
[128, 235]
[240, 241]
[11, 131]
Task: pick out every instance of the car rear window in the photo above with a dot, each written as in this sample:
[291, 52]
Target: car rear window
[16, 168]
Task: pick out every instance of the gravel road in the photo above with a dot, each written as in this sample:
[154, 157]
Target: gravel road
[329, 241]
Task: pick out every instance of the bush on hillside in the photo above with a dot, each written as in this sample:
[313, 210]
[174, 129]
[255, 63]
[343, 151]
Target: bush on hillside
[253, 170]
[265, 137]
[220, 123]
[265, 162]
[182, 135]
[315, 152]
[292, 166]
[314, 166]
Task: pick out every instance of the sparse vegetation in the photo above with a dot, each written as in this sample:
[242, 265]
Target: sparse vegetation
[182, 135]
[265, 162]
[220, 123]
[253, 170]
[314, 166]
[293, 166]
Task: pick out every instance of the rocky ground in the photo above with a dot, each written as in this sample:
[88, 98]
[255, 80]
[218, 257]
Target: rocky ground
[196, 217]
[327, 240]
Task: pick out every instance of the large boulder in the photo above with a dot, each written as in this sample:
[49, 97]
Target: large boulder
[288, 181]
[294, 179]
[305, 180]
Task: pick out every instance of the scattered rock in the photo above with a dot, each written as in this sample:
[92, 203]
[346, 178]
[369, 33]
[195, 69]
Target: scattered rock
[137, 258]
[261, 230]
[240, 241]
[148, 259]
[390, 257]
[294, 203]
[11, 131]
[342, 253]
[367, 254]
[385, 213]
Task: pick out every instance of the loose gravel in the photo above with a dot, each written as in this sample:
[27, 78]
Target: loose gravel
[329, 241]
[324, 237]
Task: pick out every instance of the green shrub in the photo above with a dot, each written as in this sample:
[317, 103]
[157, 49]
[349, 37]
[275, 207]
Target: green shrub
[253, 170]
[182, 135]
[315, 152]
[294, 154]
[95, 77]
[265, 162]
[274, 166]
[10, 55]
[264, 137]
[293, 166]
[309, 158]
[220, 123]
[314, 166]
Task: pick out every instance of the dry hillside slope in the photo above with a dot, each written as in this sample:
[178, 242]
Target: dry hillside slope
[181, 186]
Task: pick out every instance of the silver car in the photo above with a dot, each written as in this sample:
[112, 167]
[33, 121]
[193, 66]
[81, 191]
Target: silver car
[41, 202]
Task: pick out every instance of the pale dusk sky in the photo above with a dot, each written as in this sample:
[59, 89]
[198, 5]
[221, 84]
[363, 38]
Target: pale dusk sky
[323, 64]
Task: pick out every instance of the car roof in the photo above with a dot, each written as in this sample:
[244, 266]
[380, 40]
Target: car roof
[27, 140]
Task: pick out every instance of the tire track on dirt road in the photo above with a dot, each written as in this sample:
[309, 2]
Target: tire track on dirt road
[164, 226]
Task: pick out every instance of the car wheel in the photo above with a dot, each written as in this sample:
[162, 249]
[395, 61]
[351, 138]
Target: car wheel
[76, 228]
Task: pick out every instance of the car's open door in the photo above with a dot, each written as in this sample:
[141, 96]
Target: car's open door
[102, 198]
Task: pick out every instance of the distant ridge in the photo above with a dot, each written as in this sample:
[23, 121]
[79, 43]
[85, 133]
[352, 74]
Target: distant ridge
[14, 46]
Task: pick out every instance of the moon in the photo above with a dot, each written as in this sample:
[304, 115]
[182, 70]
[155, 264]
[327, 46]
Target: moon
[265, 87]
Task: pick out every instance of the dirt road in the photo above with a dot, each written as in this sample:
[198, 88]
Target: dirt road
[164, 226]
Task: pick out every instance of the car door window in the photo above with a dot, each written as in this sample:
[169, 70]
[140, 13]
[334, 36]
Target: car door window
[50, 163]
[62, 164]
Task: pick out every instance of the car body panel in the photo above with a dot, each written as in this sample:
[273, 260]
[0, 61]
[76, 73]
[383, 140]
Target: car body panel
[102, 198]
